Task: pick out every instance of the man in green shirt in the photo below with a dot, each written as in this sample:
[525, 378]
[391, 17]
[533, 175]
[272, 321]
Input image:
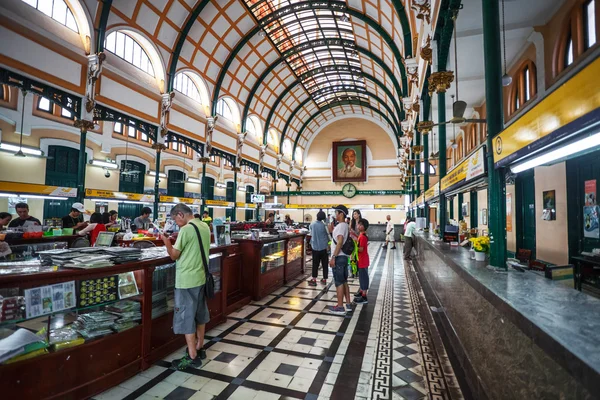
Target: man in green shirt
[191, 309]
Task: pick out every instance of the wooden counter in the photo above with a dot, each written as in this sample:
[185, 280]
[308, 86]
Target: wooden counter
[88, 369]
[264, 276]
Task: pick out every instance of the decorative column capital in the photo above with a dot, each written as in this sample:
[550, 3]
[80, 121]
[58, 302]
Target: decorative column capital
[440, 81]
[83, 124]
[425, 127]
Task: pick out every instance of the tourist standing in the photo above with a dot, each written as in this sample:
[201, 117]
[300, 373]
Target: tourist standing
[339, 261]
[318, 241]
[191, 309]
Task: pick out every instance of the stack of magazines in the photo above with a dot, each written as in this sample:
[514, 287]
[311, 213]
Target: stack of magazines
[123, 254]
[128, 312]
[95, 324]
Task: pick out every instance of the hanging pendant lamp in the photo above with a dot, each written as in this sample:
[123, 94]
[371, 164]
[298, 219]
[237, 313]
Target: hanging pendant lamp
[506, 78]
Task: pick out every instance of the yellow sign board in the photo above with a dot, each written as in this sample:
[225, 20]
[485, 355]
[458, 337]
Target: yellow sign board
[432, 192]
[32, 188]
[574, 99]
[309, 206]
[119, 196]
[219, 203]
[184, 200]
[471, 168]
[380, 206]
[245, 205]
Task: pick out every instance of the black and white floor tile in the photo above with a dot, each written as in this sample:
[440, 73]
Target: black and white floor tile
[287, 346]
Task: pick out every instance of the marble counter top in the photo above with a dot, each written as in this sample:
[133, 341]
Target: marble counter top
[561, 320]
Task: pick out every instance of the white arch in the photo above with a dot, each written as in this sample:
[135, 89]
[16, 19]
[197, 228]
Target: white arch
[84, 25]
[235, 110]
[121, 157]
[151, 50]
[376, 121]
[200, 84]
[46, 142]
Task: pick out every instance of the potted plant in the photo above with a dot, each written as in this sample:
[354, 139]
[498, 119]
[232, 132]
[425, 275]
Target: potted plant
[481, 246]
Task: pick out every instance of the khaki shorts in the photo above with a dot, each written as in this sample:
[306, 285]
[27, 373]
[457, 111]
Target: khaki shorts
[191, 310]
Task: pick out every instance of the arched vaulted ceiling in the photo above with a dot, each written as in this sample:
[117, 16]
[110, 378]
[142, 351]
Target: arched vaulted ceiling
[294, 64]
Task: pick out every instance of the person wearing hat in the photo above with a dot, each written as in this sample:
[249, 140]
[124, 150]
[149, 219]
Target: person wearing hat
[339, 261]
[75, 218]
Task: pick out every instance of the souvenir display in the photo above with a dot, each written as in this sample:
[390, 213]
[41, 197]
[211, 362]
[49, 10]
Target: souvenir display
[97, 291]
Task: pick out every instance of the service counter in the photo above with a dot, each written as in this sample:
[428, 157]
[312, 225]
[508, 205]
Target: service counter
[100, 363]
[516, 335]
[271, 262]
[377, 232]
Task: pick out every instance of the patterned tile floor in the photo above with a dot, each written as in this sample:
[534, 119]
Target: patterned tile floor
[287, 346]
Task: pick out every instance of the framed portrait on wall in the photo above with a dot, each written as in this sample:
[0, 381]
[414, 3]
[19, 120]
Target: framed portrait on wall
[349, 161]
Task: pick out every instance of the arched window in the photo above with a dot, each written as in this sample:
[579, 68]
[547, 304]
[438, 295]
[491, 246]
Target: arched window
[287, 148]
[254, 129]
[124, 46]
[185, 84]
[589, 23]
[224, 110]
[524, 86]
[298, 154]
[569, 56]
[578, 35]
[57, 10]
[273, 139]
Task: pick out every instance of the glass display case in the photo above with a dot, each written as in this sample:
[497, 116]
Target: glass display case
[26, 252]
[295, 249]
[43, 319]
[272, 256]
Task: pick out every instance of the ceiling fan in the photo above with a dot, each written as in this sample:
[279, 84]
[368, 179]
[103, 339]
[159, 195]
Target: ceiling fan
[458, 107]
[126, 168]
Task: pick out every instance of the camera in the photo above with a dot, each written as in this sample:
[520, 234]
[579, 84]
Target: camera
[107, 174]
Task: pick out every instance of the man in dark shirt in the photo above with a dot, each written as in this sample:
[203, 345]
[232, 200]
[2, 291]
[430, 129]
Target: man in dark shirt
[23, 211]
[75, 218]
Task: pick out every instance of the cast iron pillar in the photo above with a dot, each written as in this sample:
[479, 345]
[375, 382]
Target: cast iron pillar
[83, 126]
[203, 192]
[426, 173]
[257, 192]
[460, 200]
[234, 217]
[442, 156]
[493, 100]
[157, 181]
[418, 169]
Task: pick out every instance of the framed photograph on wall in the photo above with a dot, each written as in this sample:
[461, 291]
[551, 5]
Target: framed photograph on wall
[549, 202]
[349, 161]
[465, 209]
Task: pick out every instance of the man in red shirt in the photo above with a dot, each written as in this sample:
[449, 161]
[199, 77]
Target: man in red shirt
[363, 262]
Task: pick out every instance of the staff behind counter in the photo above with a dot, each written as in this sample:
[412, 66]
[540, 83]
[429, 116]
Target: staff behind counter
[75, 218]
[24, 217]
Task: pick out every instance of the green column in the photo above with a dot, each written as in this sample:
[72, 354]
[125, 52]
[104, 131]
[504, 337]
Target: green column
[474, 210]
[234, 217]
[203, 187]
[288, 192]
[460, 200]
[257, 192]
[442, 158]
[426, 173]
[451, 205]
[81, 165]
[156, 183]
[493, 99]
[418, 164]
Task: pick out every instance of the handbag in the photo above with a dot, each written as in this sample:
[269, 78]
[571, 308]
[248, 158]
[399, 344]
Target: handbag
[209, 286]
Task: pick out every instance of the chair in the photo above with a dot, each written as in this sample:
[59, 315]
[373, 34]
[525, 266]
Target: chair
[143, 244]
[524, 256]
[80, 242]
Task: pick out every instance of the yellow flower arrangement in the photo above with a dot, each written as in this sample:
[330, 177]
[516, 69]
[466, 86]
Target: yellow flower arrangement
[480, 244]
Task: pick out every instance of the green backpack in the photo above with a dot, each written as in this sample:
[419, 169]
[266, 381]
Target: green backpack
[354, 259]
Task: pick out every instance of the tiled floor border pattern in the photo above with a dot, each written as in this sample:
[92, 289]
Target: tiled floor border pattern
[328, 371]
[353, 379]
[442, 382]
